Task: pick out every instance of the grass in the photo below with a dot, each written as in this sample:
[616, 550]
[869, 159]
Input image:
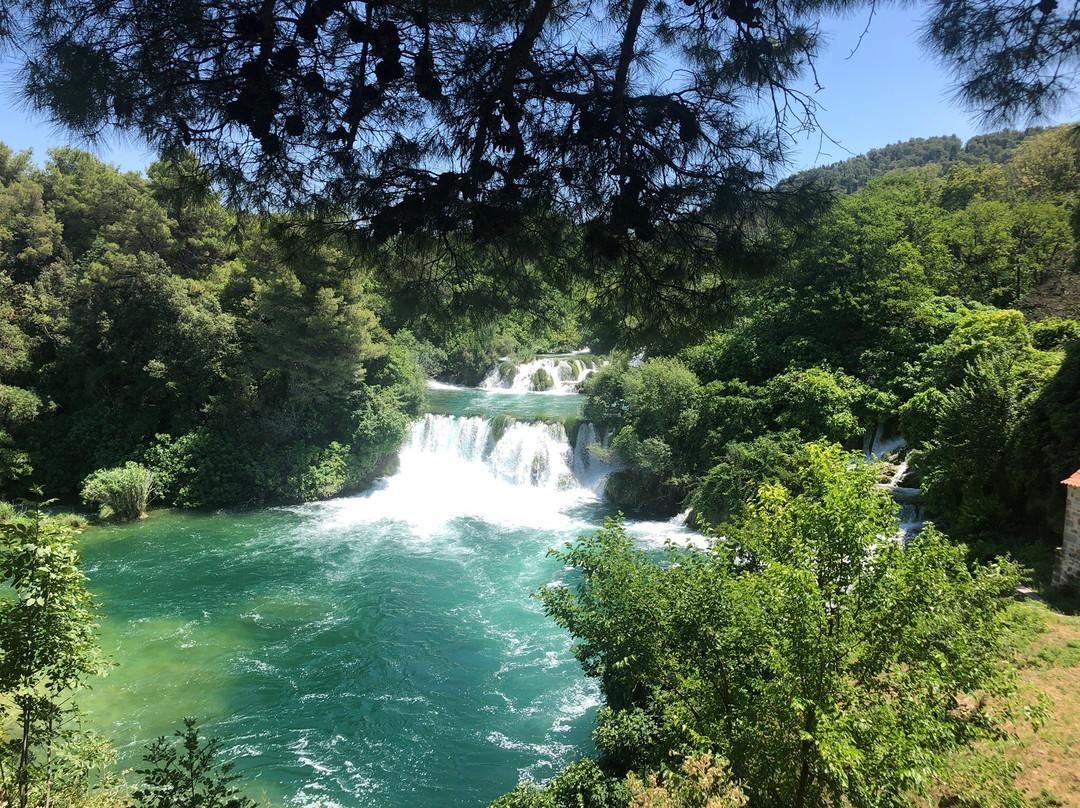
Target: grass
[1036, 763]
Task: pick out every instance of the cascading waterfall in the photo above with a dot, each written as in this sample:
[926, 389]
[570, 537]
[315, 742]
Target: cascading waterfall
[877, 445]
[556, 374]
[458, 467]
[535, 454]
[911, 515]
[589, 470]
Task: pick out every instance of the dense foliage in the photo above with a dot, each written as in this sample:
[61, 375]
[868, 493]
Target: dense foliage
[125, 490]
[187, 774]
[823, 661]
[537, 127]
[143, 324]
[934, 301]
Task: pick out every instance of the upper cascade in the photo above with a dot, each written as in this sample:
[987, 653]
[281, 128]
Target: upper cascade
[555, 373]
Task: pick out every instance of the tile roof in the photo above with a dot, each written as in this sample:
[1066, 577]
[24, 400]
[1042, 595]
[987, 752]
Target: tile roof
[1073, 481]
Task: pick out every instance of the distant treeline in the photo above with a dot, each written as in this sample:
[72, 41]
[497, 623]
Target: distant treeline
[931, 155]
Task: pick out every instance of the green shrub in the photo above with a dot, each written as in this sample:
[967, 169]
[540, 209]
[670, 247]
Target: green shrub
[744, 467]
[324, 473]
[124, 490]
[541, 380]
[1052, 334]
[48, 632]
[188, 777]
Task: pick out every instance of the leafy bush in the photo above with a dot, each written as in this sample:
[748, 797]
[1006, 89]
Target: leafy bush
[324, 473]
[188, 777]
[646, 485]
[822, 662]
[1054, 333]
[701, 782]
[48, 633]
[125, 490]
[743, 468]
[818, 402]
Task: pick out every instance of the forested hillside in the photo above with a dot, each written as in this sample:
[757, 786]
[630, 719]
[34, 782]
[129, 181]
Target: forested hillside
[932, 156]
[921, 302]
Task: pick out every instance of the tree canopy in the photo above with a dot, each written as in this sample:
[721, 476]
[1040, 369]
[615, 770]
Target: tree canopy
[655, 128]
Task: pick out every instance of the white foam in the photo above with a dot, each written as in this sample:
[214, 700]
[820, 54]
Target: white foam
[452, 468]
[654, 535]
[434, 385]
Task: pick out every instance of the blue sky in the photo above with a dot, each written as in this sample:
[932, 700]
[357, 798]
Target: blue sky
[887, 91]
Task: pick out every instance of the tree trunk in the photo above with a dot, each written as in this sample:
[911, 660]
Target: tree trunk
[805, 775]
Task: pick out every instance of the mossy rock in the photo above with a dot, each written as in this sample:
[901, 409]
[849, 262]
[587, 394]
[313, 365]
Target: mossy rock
[499, 424]
[541, 380]
[572, 426]
[886, 472]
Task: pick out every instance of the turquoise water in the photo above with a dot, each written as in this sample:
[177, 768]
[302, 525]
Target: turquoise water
[379, 650]
[449, 400]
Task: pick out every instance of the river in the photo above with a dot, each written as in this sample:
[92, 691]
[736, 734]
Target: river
[376, 650]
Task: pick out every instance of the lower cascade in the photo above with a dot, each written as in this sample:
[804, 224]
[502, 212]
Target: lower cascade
[536, 454]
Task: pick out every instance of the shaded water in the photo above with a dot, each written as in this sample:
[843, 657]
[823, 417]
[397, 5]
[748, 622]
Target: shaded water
[378, 650]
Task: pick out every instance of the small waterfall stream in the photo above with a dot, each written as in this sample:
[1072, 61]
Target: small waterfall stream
[878, 445]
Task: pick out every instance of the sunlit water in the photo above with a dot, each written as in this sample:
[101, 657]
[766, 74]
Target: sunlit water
[379, 650]
[453, 400]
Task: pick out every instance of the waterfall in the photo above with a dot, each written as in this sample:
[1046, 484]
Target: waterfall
[517, 473]
[911, 515]
[886, 441]
[533, 454]
[554, 374]
[881, 441]
[466, 438]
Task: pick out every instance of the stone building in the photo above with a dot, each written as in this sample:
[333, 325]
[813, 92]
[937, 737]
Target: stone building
[1067, 565]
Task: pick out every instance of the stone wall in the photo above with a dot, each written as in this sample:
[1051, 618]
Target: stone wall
[1067, 564]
